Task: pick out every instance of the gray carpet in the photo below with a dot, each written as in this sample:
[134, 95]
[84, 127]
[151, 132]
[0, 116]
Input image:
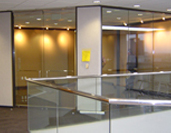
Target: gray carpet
[13, 120]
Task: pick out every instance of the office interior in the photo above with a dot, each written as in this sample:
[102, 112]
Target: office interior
[46, 45]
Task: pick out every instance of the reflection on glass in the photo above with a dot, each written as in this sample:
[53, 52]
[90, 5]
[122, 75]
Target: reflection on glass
[162, 53]
[28, 43]
[114, 42]
[144, 35]
[43, 46]
[140, 42]
[52, 110]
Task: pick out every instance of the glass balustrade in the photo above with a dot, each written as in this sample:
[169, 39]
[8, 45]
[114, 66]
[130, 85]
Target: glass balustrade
[103, 104]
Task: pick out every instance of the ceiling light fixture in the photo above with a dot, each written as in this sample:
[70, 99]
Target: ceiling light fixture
[38, 19]
[169, 9]
[106, 27]
[96, 1]
[125, 24]
[67, 28]
[136, 6]
[142, 21]
[27, 22]
[69, 20]
[47, 28]
[140, 14]
[163, 18]
[19, 27]
[118, 18]
[109, 11]
[55, 23]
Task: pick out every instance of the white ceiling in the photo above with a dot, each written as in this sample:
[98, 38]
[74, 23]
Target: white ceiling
[155, 5]
[60, 12]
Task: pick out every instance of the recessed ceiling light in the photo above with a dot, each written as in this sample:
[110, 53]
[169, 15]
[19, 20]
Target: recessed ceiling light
[69, 20]
[126, 28]
[169, 10]
[125, 24]
[140, 14]
[109, 11]
[136, 6]
[38, 19]
[96, 1]
[118, 18]
[55, 23]
[27, 22]
[163, 18]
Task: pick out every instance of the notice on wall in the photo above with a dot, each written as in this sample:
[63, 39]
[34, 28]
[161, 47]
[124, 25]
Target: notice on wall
[86, 55]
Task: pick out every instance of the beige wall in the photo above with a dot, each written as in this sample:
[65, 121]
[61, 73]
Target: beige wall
[6, 74]
[38, 51]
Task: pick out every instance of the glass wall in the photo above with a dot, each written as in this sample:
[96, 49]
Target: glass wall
[132, 41]
[28, 42]
[44, 46]
[135, 41]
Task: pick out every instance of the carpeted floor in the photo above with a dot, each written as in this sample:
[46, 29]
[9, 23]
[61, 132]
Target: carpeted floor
[13, 120]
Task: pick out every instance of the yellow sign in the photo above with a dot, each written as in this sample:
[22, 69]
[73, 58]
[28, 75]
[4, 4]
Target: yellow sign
[86, 55]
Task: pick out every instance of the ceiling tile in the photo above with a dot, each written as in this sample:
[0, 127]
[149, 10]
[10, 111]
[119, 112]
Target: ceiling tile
[156, 5]
[36, 2]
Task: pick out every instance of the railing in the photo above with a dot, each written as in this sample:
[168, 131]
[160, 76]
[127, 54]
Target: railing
[99, 104]
[104, 99]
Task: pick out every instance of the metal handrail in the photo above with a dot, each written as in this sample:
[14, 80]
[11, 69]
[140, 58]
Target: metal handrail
[112, 101]
[105, 75]
[66, 89]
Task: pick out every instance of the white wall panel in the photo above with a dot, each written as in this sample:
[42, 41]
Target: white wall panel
[89, 35]
[6, 84]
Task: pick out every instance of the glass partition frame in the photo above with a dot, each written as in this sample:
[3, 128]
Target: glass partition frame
[143, 27]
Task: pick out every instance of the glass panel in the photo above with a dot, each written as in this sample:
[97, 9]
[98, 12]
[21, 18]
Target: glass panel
[82, 117]
[137, 87]
[140, 42]
[42, 108]
[162, 45]
[141, 119]
[129, 87]
[59, 42]
[132, 41]
[44, 47]
[28, 41]
[114, 41]
[57, 111]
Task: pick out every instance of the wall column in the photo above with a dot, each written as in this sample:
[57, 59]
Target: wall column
[6, 68]
[89, 36]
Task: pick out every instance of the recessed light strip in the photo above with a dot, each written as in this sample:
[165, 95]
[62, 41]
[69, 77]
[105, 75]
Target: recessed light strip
[106, 27]
[96, 1]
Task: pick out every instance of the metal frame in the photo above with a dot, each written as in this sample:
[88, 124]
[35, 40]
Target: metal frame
[112, 101]
[104, 75]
